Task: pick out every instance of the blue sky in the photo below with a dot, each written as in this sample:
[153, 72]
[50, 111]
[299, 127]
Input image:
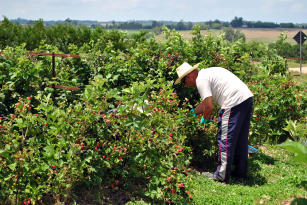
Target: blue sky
[187, 10]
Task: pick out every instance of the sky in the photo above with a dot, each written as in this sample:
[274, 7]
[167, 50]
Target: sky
[277, 11]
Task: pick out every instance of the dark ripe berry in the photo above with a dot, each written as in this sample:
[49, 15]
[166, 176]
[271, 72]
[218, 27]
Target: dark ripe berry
[100, 120]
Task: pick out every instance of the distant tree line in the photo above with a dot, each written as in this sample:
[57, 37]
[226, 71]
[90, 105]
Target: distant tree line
[72, 33]
[237, 22]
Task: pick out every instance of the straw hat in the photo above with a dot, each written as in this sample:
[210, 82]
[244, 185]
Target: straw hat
[184, 70]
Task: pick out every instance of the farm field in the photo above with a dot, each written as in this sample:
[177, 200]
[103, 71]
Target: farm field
[256, 35]
[127, 135]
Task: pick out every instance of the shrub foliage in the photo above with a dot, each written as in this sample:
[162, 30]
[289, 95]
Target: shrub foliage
[127, 127]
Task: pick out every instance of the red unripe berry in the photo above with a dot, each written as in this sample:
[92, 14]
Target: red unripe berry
[116, 182]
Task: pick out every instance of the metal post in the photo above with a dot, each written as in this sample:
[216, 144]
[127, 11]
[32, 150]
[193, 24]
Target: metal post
[53, 76]
[300, 52]
[53, 65]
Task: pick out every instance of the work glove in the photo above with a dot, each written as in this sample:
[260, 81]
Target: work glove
[193, 112]
[203, 120]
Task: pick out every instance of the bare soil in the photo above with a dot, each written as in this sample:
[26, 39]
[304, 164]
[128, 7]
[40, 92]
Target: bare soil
[304, 70]
[260, 34]
[269, 33]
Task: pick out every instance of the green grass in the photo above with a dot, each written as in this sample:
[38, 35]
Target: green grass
[300, 79]
[268, 40]
[272, 179]
[262, 40]
[296, 64]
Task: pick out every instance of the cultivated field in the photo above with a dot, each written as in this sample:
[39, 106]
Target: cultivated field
[258, 35]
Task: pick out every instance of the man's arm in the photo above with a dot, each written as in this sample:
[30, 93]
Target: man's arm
[205, 108]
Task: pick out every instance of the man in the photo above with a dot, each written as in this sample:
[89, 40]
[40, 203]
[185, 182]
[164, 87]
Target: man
[222, 87]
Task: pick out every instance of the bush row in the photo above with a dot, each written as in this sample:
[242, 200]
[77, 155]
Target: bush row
[53, 142]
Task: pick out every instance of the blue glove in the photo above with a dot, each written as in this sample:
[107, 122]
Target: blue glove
[193, 112]
[203, 120]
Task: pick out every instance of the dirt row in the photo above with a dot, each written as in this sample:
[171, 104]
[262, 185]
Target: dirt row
[304, 70]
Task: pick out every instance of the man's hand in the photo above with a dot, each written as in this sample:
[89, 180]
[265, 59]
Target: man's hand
[205, 108]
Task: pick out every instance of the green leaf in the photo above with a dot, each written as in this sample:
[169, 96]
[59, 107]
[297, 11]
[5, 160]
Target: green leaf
[49, 151]
[20, 123]
[107, 163]
[297, 148]
[13, 166]
[4, 153]
[44, 167]
[109, 76]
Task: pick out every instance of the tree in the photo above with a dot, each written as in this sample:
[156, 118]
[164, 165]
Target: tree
[190, 26]
[216, 26]
[237, 22]
[287, 25]
[180, 25]
[156, 24]
[233, 35]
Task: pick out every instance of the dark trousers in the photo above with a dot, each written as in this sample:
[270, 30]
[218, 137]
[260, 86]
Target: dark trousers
[232, 138]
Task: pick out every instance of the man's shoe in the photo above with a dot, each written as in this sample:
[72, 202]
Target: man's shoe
[212, 176]
[209, 175]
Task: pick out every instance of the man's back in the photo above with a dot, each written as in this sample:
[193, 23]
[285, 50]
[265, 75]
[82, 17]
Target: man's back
[226, 89]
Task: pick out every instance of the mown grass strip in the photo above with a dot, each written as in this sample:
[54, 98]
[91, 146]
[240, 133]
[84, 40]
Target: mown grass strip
[272, 179]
